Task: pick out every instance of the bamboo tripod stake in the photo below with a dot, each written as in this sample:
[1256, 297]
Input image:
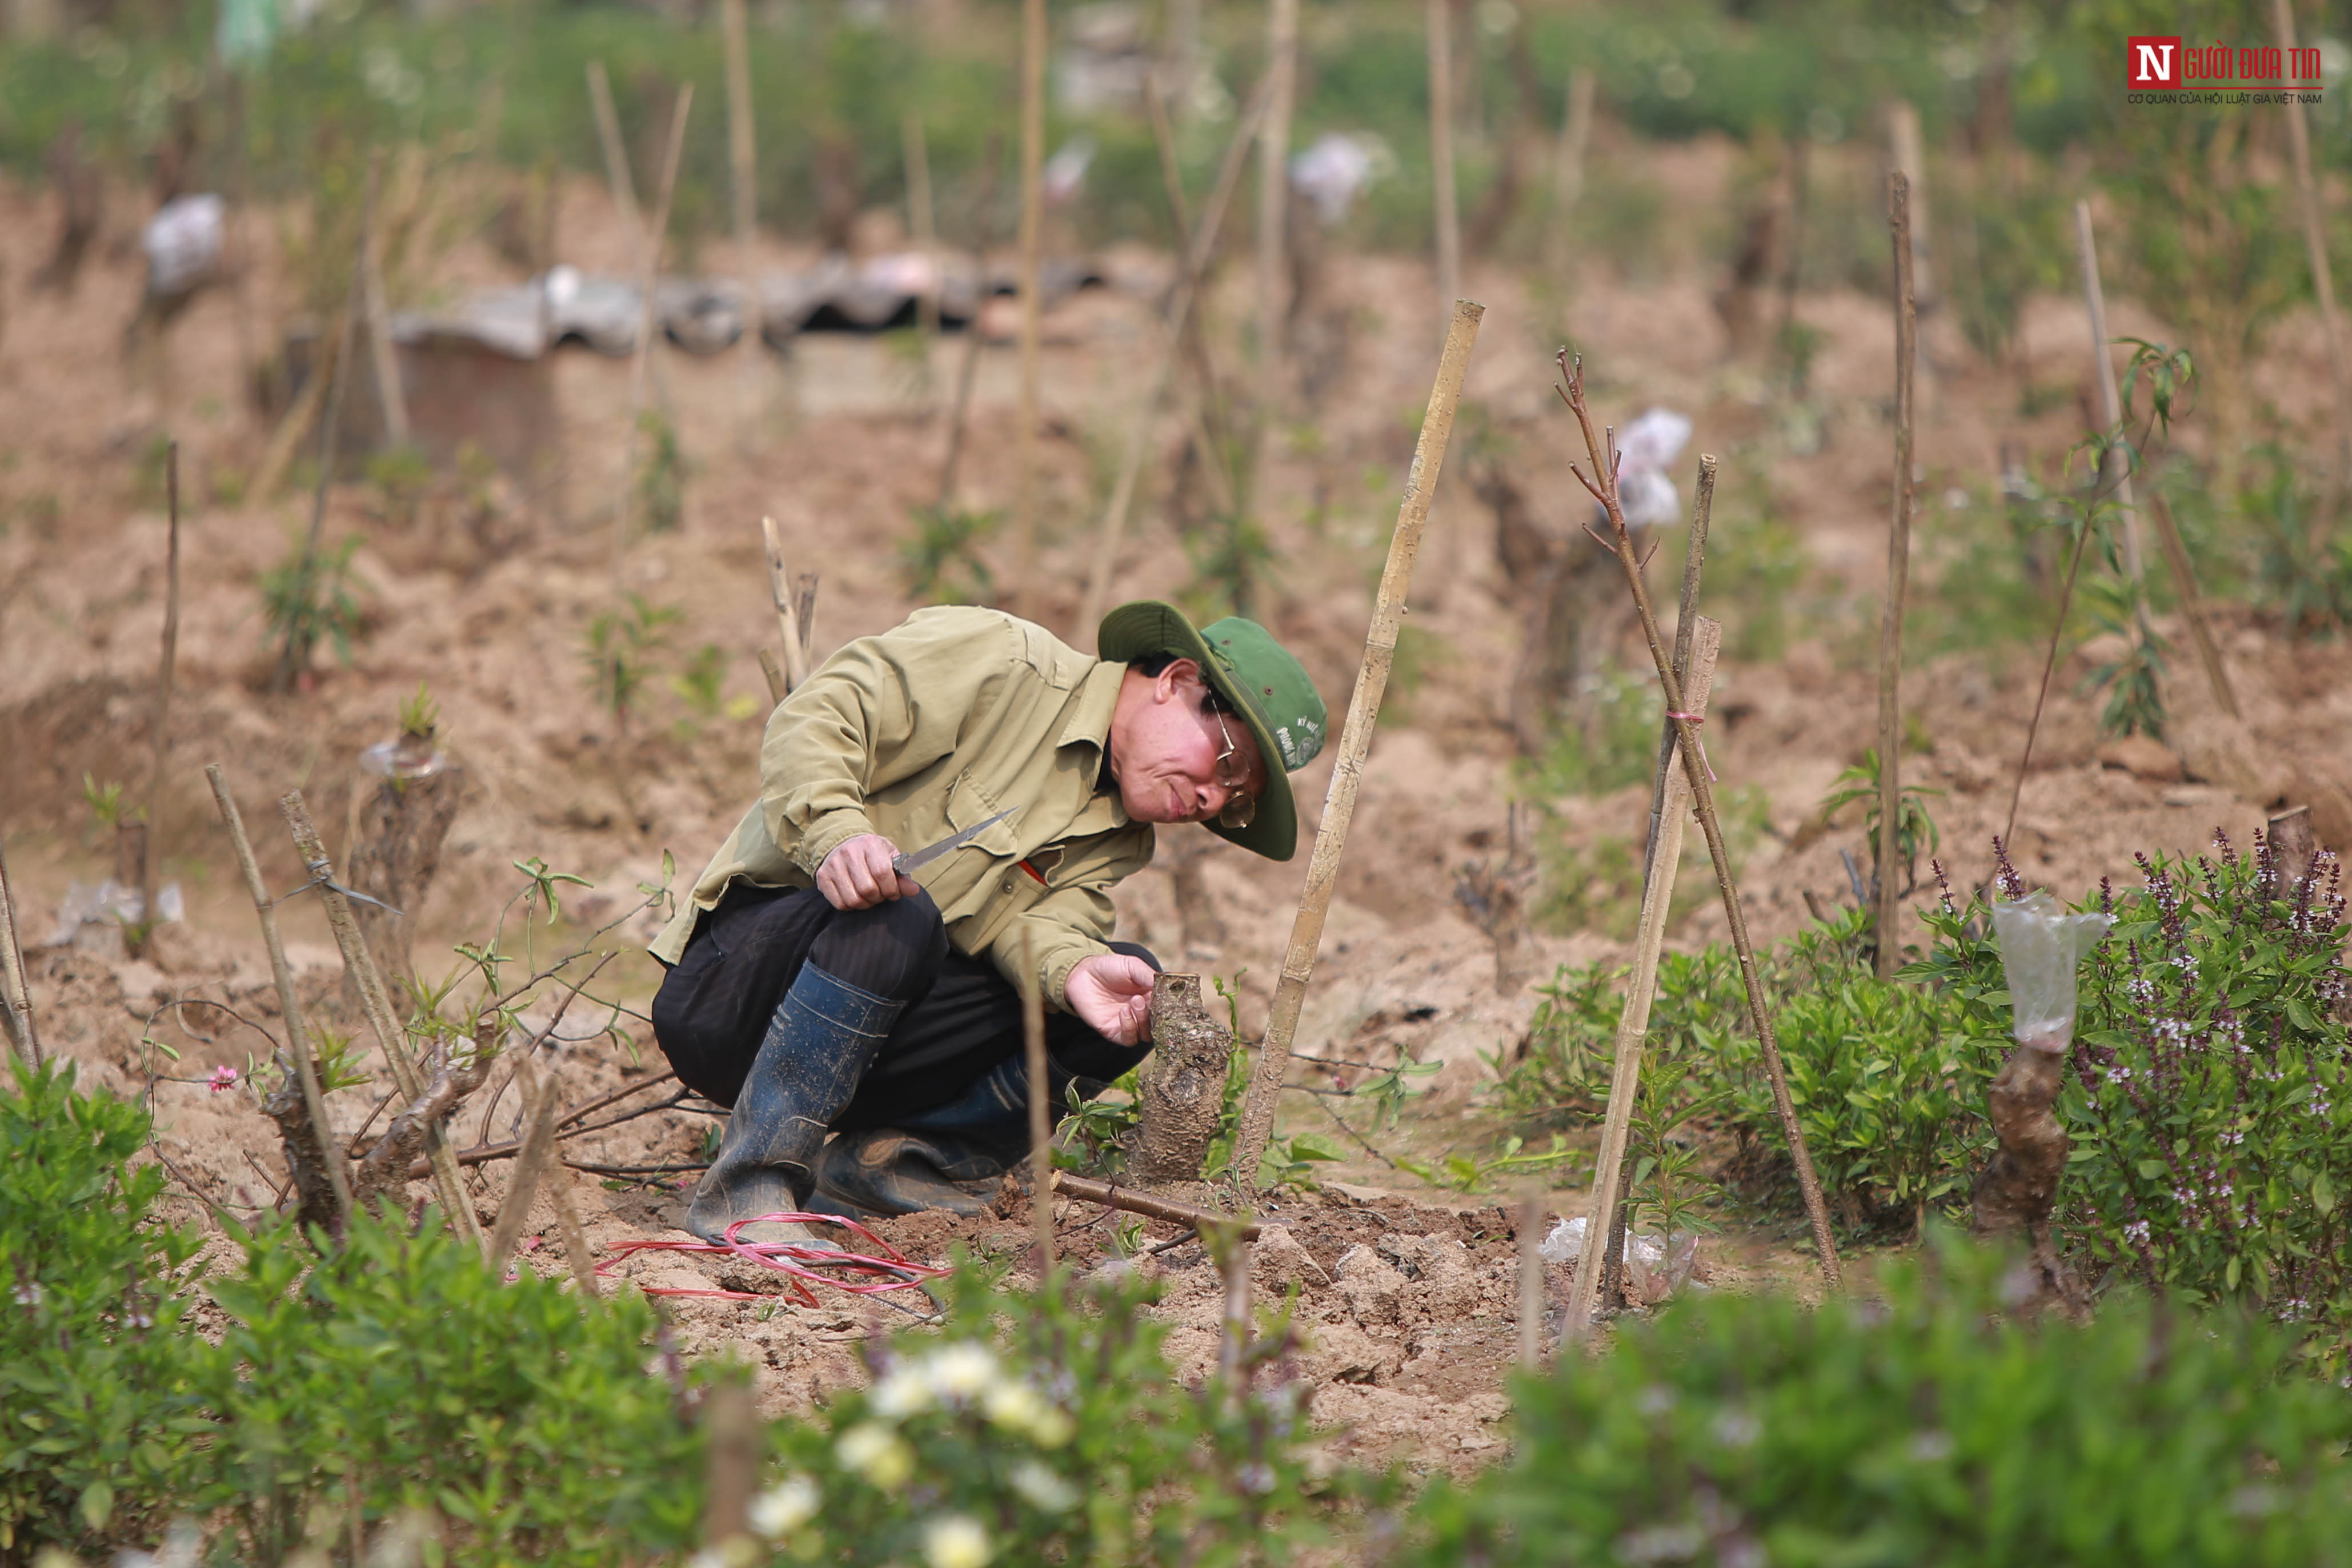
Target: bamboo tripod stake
[788, 618]
[1203, 242]
[1898, 574]
[1641, 989]
[2323, 281]
[1033, 226]
[2175, 554]
[297, 1043]
[14, 989]
[1441, 151]
[648, 277]
[161, 732]
[376, 1003]
[1041, 1117]
[1604, 462]
[1355, 740]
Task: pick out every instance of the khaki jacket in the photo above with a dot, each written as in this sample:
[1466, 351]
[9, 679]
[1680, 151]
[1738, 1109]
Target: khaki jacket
[954, 715]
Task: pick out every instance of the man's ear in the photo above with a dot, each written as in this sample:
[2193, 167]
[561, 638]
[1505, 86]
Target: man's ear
[1169, 685]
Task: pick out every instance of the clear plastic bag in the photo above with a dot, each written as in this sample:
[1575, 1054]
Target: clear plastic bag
[2040, 946]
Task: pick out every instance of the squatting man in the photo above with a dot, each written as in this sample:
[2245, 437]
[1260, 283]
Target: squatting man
[864, 1026]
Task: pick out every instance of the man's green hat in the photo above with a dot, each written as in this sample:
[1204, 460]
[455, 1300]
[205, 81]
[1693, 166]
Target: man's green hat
[1266, 686]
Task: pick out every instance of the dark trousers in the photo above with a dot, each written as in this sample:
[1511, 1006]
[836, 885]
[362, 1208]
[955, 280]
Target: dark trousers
[962, 1016]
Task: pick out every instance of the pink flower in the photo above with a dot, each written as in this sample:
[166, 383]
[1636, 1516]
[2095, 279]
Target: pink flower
[222, 1078]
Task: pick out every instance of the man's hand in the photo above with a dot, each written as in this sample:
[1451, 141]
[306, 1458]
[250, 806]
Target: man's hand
[1111, 993]
[857, 874]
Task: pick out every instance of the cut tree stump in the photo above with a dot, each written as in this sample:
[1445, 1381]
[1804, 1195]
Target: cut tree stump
[1183, 1085]
[2018, 1186]
[397, 850]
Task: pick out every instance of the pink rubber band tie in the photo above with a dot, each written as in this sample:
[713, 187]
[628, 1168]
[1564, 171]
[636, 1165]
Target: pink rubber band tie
[1695, 720]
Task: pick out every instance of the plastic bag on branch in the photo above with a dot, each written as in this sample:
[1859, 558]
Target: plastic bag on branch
[2041, 947]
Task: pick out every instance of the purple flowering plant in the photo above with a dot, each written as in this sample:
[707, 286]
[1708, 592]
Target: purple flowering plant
[2208, 1063]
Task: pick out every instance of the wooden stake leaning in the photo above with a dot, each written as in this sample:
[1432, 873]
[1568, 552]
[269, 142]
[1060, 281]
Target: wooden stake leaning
[530, 1163]
[1531, 1279]
[1033, 239]
[160, 731]
[14, 989]
[641, 355]
[1604, 463]
[1110, 1195]
[377, 1005]
[1273, 191]
[2175, 554]
[1355, 741]
[297, 1043]
[1898, 574]
[1441, 151]
[1041, 1118]
[1641, 989]
[2323, 281]
[622, 185]
[1195, 261]
[788, 615]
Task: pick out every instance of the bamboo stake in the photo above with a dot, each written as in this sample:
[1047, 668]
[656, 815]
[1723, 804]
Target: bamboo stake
[922, 220]
[575, 1239]
[1532, 1280]
[736, 1441]
[332, 415]
[1640, 989]
[377, 1005]
[788, 618]
[2192, 602]
[160, 732]
[1204, 245]
[2314, 239]
[2111, 412]
[391, 399]
[1033, 239]
[742, 153]
[1910, 159]
[1898, 576]
[778, 690]
[1567, 171]
[1703, 798]
[530, 1161]
[16, 990]
[1685, 632]
[1273, 191]
[2176, 553]
[297, 1043]
[1041, 1119]
[641, 357]
[969, 373]
[1441, 151]
[1355, 740]
[617, 177]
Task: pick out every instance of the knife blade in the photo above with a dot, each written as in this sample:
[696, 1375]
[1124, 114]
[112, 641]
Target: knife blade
[906, 863]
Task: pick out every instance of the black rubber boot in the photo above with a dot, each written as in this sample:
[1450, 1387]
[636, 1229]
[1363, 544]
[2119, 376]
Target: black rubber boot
[824, 1035]
[952, 1158]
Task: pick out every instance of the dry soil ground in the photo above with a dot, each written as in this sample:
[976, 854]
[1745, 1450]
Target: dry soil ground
[1407, 1292]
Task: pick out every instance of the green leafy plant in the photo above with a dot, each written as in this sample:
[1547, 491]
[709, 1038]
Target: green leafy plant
[1047, 1427]
[2209, 1056]
[101, 1418]
[105, 803]
[658, 499]
[1920, 1425]
[620, 650]
[940, 562]
[420, 716]
[306, 600]
[1914, 829]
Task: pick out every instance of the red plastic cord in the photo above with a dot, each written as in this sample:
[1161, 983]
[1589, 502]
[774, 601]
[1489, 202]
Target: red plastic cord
[797, 1260]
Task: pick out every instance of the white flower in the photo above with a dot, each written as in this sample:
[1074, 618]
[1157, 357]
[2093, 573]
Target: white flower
[1043, 1488]
[905, 1391]
[785, 1507]
[874, 1451]
[1015, 1407]
[963, 1371]
[955, 1541]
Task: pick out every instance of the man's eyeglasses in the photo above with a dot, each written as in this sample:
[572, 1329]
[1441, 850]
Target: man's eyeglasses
[1240, 811]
